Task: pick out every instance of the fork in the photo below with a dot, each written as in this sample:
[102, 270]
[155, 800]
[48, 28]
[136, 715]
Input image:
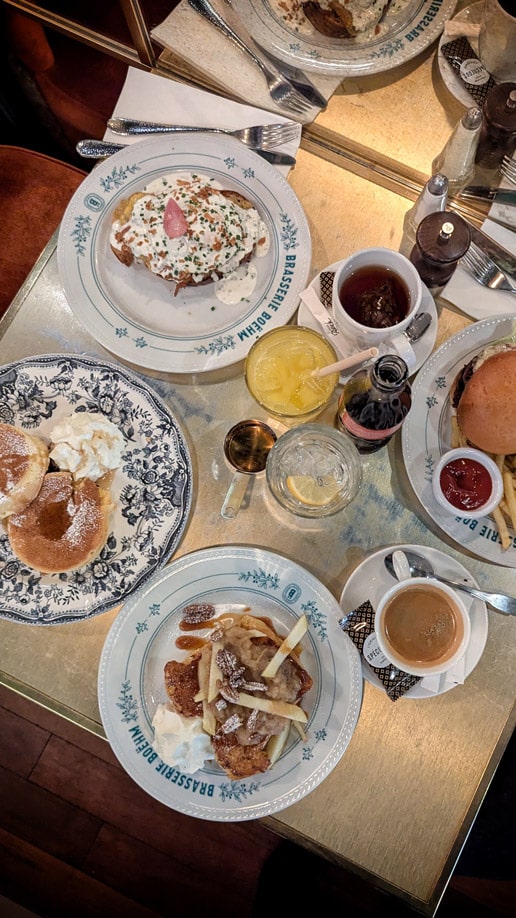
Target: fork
[282, 92]
[259, 136]
[508, 168]
[485, 271]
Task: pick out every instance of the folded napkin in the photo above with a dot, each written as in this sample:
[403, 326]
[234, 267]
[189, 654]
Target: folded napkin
[199, 51]
[442, 681]
[464, 291]
[149, 97]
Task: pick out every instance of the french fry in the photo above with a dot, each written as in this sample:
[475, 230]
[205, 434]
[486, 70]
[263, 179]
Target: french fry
[502, 527]
[510, 496]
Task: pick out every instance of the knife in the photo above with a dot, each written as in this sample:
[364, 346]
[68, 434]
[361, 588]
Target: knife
[483, 193]
[503, 258]
[100, 149]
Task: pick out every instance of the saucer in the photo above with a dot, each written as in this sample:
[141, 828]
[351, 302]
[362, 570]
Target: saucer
[471, 15]
[422, 348]
[371, 579]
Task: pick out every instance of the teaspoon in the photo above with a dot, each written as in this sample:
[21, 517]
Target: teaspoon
[421, 567]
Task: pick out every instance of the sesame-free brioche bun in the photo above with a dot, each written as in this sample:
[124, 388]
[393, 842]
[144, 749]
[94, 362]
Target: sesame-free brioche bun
[486, 412]
[23, 463]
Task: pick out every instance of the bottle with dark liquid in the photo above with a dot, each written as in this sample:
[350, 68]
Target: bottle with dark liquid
[374, 403]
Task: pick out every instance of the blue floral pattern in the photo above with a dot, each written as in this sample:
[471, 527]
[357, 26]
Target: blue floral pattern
[152, 489]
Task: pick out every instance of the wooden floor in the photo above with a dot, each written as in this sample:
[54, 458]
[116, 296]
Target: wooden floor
[79, 838]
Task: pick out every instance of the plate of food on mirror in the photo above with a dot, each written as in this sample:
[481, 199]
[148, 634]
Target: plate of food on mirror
[95, 487]
[175, 254]
[464, 396]
[226, 687]
[351, 38]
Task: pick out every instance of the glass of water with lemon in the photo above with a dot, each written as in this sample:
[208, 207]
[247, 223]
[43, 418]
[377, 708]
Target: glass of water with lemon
[279, 373]
[314, 470]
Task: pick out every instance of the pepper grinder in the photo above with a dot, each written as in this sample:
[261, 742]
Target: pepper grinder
[457, 158]
[441, 240]
[432, 198]
[498, 134]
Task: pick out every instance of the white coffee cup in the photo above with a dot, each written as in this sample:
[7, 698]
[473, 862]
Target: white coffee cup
[392, 337]
[422, 626]
[497, 39]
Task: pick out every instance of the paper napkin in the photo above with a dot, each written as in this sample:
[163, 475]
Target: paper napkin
[196, 49]
[150, 97]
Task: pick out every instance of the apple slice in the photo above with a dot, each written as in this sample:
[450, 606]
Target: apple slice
[286, 647]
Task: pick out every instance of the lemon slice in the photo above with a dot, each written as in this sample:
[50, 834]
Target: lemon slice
[316, 492]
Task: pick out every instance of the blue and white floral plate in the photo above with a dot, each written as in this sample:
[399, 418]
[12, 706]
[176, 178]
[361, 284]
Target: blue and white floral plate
[142, 639]
[133, 313]
[406, 30]
[152, 489]
[427, 432]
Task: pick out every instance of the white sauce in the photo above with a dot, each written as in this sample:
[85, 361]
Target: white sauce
[180, 741]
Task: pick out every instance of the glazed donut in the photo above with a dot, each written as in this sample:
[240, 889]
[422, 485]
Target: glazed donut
[23, 464]
[64, 527]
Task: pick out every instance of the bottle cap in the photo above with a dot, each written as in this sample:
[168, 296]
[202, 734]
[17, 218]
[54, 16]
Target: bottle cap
[443, 237]
[438, 184]
[472, 119]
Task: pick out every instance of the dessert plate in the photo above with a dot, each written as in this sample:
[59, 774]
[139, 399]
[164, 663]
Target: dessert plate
[371, 579]
[426, 434]
[142, 639]
[405, 31]
[152, 489]
[134, 313]
[422, 348]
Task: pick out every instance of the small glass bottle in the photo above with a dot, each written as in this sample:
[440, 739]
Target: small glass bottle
[432, 198]
[498, 134]
[457, 158]
[374, 403]
[441, 240]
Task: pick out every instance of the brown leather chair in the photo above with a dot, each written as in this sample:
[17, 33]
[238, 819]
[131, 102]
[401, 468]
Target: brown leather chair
[34, 190]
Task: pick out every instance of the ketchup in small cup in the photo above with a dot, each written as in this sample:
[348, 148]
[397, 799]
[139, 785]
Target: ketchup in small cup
[467, 483]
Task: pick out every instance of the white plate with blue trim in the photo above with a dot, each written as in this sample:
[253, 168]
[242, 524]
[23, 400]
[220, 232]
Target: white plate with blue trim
[401, 36]
[152, 488]
[134, 313]
[142, 639]
[426, 435]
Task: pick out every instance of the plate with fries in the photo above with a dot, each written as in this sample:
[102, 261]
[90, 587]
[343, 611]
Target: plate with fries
[146, 635]
[430, 429]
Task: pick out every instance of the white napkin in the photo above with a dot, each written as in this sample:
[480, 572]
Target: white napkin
[464, 291]
[150, 97]
[453, 676]
[192, 39]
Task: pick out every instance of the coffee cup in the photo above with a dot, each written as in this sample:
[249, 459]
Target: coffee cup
[497, 39]
[422, 626]
[376, 294]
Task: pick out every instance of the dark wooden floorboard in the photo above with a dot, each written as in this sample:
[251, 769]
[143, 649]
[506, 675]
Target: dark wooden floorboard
[79, 838]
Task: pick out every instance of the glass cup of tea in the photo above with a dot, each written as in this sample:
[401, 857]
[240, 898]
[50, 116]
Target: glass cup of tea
[376, 294]
[422, 626]
[279, 373]
[313, 470]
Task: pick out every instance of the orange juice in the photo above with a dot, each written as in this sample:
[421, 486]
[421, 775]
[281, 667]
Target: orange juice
[278, 373]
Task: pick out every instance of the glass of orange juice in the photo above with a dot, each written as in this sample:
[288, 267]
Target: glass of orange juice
[279, 373]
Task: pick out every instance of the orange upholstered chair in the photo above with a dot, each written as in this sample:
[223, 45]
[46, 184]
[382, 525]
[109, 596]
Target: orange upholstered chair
[34, 190]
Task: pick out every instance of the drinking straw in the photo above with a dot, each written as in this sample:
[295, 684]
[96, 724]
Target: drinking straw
[346, 362]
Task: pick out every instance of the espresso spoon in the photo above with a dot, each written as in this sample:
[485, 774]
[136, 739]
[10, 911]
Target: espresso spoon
[421, 567]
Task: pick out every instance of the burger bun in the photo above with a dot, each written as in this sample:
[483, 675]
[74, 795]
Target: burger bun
[486, 413]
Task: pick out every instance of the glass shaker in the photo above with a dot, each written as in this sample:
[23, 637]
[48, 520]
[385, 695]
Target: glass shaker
[374, 403]
[432, 198]
[498, 134]
[457, 158]
[441, 240]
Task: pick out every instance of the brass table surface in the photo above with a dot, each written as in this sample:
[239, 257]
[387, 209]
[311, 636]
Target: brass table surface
[399, 805]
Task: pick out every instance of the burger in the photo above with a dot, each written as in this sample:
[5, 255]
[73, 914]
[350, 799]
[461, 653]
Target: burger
[484, 398]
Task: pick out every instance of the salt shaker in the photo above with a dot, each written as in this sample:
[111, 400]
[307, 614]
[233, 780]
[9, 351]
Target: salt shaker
[441, 240]
[432, 198]
[457, 158]
[498, 134]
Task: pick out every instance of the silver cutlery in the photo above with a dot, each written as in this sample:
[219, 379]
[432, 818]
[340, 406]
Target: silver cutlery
[101, 149]
[503, 258]
[485, 271]
[418, 326]
[421, 567]
[297, 78]
[263, 136]
[508, 169]
[484, 193]
[281, 90]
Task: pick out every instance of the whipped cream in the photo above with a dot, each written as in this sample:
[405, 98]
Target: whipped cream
[87, 445]
[180, 741]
